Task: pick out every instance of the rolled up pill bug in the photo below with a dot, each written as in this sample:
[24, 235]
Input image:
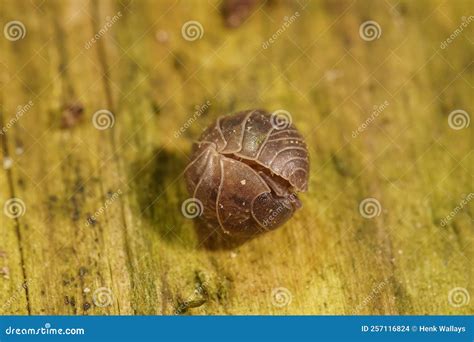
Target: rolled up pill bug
[245, 171]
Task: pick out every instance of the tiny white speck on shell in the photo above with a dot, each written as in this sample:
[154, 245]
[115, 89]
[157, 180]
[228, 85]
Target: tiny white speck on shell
[243, 181]
[87, 290]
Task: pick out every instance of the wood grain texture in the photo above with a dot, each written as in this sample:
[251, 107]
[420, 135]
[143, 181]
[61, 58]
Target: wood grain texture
[140, 251]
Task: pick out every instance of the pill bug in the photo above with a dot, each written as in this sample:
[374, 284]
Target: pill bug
[245, 171]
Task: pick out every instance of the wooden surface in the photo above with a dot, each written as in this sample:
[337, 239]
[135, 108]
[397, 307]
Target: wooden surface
[150, 259]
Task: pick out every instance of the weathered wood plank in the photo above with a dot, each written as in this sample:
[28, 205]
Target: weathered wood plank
[103, 206]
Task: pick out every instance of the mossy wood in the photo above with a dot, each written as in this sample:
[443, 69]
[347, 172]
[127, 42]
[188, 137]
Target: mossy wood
[103, 207]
